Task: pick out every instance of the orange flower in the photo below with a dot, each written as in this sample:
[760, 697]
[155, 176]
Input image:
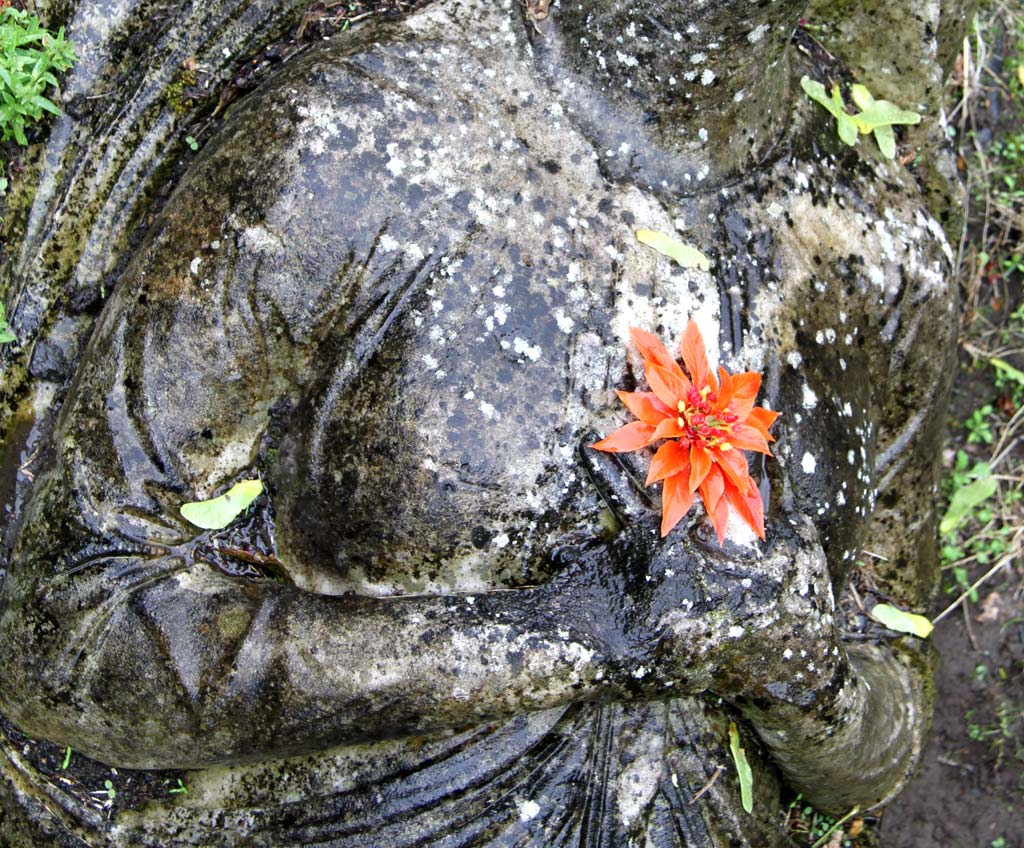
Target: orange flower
[705, 425]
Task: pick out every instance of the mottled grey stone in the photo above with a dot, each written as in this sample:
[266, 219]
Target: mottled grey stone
[398, 284]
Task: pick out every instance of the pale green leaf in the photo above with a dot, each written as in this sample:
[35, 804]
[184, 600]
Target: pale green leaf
[684, 254]
[883, 113]
[847, 129]
[219, 512]
[845, 126]
[964, 500]
[743, 771]
[1008, 369]
[816, 91]
[861, 96]
[900, 621]
[886, 141]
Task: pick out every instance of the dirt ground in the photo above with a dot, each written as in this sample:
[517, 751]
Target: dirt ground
[970, 791]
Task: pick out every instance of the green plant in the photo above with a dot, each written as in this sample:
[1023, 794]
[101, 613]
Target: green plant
[979, 426]
[6, 335]
[809, 827]
[876, 116]
[1002, 730]
[29, 57]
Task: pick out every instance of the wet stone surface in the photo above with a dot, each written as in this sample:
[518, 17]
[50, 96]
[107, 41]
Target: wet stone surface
[398, 284]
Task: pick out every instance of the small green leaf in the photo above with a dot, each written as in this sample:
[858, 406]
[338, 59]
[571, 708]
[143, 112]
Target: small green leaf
[847, 129]
[67, 758]
[5, 330]
[746, 776]
[886, 141]
[816, 91]
[844, 123]
[218, 513]
[684, 254]
[883, 113]
[43, 103]
[964, 500]
[902, 622]
[863, 98]
[1007, 369]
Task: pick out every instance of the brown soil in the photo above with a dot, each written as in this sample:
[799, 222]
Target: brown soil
[970, 791]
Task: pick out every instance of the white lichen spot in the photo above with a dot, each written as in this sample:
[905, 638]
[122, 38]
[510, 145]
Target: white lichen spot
[755, 35]
[395, 166]
[735, 631]
[501, 540]
[787, 654]
[194, 265]
[707, 77]
[794, 358]
[524, 348]
[810, 398]
[528, 810]
[388, 243]
[488, 410]
[565, 323]
[430, 361]
[808, 463]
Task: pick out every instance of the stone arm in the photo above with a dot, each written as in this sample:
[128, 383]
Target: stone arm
[118, 639]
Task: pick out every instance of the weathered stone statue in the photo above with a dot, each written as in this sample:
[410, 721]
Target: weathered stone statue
[397, 283]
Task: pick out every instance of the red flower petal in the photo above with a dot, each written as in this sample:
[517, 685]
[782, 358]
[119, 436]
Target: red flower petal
[744, 389]
[734, 465]
[700, 466]
[646, 407]
[750, 508]
[652, 350]
[669, 429]
[676, 500]
[712, 489]
[761, 419]
[695, 357]
[667, 385]
[671, 459]
[748, 438]
[724, 388]
[720, 519]
[633, 436]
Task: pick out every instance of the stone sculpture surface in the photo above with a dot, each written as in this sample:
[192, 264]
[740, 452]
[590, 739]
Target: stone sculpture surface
[397, 283]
